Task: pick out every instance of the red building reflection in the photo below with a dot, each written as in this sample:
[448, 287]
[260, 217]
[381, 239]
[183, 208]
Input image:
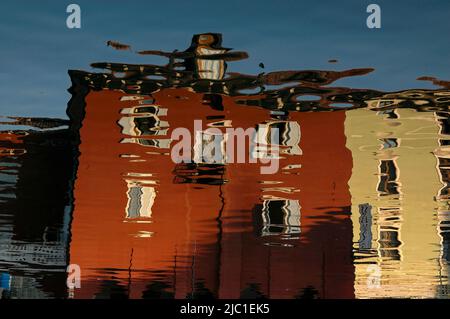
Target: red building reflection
[144, 226]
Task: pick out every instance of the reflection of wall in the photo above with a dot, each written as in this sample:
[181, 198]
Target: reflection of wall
[199, 236]
[393, 186]
[442, 154]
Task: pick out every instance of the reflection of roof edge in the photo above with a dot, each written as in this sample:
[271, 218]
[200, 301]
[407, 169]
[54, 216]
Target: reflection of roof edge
[139, 83]
[302, 83]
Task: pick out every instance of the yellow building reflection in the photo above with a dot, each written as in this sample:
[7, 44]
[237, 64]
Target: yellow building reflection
[394, 186]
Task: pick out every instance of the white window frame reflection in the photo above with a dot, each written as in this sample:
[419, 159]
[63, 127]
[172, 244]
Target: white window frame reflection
[291, 211]
[140, 202]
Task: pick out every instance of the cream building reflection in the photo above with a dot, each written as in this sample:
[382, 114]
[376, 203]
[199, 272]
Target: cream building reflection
[393, 185]
[442, 154]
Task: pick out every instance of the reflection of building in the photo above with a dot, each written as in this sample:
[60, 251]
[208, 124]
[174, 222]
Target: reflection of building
[36, 169]
[393, 184]
[442, 154]
[195, 228]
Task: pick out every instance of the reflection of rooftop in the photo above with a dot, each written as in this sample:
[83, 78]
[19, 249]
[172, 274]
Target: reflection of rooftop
[396, 210]
[202, 68]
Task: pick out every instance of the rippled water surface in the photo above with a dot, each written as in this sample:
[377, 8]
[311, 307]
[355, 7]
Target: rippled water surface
[358, 206]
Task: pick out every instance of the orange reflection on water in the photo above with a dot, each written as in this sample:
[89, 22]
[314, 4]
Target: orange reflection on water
[141, 220]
